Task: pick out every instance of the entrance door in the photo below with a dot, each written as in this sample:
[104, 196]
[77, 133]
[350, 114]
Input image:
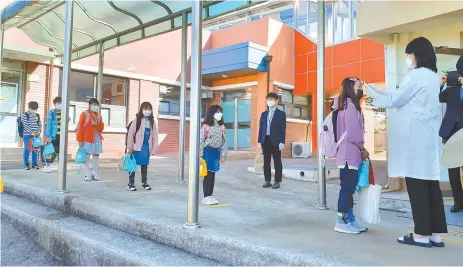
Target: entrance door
[9, 92]
[237, 118]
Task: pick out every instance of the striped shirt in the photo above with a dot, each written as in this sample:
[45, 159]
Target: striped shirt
[31, 125]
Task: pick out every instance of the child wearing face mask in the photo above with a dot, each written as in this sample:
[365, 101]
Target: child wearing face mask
[142, 142]
[89, 137]
[53, 129]
[29, 126]
[213, 149]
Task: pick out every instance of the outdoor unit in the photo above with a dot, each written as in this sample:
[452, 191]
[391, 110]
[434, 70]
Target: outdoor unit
[301, 149]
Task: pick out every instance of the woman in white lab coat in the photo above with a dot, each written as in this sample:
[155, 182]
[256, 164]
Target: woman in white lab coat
[414, 141]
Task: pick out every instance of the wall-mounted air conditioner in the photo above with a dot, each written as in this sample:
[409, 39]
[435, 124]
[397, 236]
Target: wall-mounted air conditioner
[301, 149]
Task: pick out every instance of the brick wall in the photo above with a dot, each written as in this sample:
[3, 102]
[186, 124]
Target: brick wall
[35, 91]
[113, 145]
[295, 132]
[168, 130]
[134, 99]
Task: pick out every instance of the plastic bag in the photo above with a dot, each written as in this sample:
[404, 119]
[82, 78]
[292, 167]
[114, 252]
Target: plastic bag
[120, 165]
[363, 177]
[259, 163]
[202, 168]
[130, 165]
[81, 156]
[368, 204]
[49, 153]
[37, 142]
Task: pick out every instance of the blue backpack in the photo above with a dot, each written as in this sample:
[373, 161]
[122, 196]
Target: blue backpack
[21, 125]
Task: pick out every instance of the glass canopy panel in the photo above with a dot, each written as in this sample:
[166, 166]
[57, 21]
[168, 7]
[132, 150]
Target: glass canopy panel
[225, 6]
[52, 23]
[145, 10]
[42, 36]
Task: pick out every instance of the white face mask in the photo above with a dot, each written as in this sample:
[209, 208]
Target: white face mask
[218, 116]
[409, 63]
[94, 108]
[270, 103]
[147, 113]
[58, 106]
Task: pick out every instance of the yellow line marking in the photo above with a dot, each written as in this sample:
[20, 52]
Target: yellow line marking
[448, 239]
[150, 192]
[215, 206]
[97, 182]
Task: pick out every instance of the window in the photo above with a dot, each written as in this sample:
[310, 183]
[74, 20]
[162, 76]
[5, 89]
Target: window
[302, 17]
[286, 16]
[170, 101]
[81, 86]
[295, 106]
[343, 22]
[114, 91]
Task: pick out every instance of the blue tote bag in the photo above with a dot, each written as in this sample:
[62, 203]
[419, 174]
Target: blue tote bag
[81, 156]
[130, 165]
[363, 178]
[36, 142]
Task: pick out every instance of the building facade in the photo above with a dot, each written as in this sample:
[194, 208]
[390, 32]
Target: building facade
[235, 75]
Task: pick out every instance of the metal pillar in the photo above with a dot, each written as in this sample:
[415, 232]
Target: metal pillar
[2, 30]
[99, 91]
[65, 84]
[181, 138]
[195, 118]
[321, 103]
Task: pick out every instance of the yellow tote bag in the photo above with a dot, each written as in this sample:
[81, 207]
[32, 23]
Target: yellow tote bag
[202, 168]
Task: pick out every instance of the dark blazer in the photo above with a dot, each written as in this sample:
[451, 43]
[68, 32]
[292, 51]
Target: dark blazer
[454, 111]
[277, 127]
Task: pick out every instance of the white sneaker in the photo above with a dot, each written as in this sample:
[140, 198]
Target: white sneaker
[88, 178]
[208, 201]
[95, 177]
[214, 200]
[47, 169]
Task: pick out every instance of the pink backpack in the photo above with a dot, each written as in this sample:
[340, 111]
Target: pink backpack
[207, 130]
[328, 142]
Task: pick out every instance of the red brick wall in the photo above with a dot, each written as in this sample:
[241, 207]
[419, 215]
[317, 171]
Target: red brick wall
[169, 134]
[35, 91]
[113, 145]
[295, 132]
[134, 99]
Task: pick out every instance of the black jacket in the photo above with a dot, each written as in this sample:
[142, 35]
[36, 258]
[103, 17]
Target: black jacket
[453, 113]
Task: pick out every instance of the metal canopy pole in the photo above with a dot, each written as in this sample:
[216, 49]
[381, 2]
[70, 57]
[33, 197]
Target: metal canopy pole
[181, 138]
[321, 103]
[2, 30]
[195, 118]
[65, 84]
[99, 91]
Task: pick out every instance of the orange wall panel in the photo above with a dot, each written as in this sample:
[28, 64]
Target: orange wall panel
[341, 72]
[346, 53]
[371, 49]
[301, 64]
[312, 61]
[312, 81]
[244, 79]
[329, 78]
[300, 87]
[373, 70]
[302, 45]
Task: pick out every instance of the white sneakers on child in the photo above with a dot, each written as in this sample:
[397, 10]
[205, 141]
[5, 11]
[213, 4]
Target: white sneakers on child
[47, 169]
[210, 201]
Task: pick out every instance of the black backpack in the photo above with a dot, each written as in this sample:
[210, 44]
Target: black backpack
[21, 125]
[136, 131]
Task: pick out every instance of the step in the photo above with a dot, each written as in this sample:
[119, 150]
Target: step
[79, 242]
[205, 242]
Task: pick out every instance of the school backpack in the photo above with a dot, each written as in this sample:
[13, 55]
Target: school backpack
[136, 131]
[207, 130]
[21, 125]
[328, 137]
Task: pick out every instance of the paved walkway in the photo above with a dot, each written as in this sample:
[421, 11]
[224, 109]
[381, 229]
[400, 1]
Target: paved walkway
[285, 219]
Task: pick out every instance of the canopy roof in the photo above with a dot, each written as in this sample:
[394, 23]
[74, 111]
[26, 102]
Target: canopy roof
[114, 22]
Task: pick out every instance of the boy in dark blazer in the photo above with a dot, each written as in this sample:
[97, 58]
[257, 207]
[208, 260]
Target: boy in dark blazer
[272, 135]
[452, 122]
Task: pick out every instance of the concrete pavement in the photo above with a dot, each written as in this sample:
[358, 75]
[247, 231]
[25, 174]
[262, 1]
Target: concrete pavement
[252, 226]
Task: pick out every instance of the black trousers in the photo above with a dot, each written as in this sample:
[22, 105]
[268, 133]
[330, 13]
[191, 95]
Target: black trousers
[427, 206]
[144, 175]
[208, 184]
[270, 150]
[455, 175]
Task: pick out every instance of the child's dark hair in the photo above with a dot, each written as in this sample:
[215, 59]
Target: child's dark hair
[93, 101]
[209, 120]
[57, 99]
[272, 95]
[146, 105]
[33, 105]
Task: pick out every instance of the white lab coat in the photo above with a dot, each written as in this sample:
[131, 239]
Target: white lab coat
[413, 125]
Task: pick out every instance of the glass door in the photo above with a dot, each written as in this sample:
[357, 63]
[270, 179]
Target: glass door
[9, 93]
[237, 119]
